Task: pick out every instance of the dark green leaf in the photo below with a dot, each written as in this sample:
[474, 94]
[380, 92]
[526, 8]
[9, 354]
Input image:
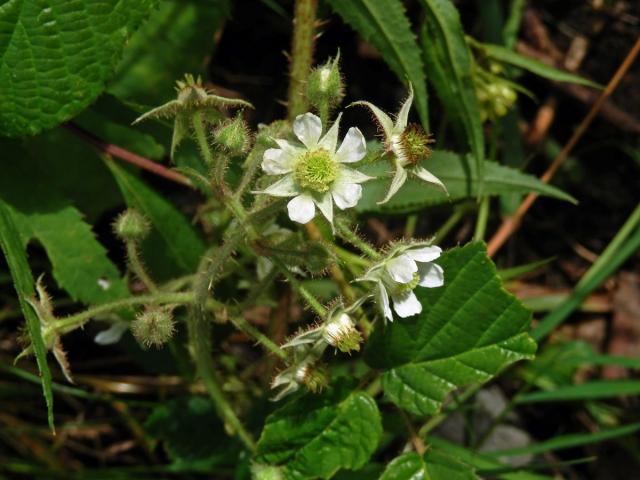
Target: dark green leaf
[385, 24]
[56, 57]
[316, 435]
[434, 466]
[179, 239]
[23, 282]
[450, 68]
[468, 331]
[459, 174]
[586, 391]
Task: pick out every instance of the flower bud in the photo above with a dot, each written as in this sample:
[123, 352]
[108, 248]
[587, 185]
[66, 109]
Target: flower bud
[153, 327]
[342, 334]
[233, 136]
[266, 472]
[131, 225]
[314, 377]
[325, 88]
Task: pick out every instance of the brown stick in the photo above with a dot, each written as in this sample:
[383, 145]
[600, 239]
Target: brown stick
[127, 156]
[511, 223]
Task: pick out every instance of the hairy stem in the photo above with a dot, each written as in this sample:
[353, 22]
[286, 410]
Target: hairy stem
[201, 138]
[298, 287]
[301, 54]
[244, 326]
[352, 237]
[137, 267]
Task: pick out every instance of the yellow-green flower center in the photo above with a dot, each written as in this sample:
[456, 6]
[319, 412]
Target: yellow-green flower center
[415, 144]
[405, 287]
[316, 170]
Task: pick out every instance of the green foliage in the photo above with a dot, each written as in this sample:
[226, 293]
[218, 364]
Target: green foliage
[434, 465]
[24, 285]
[450, 68]
[56, 58]
[459, 174]
[315, 436]
[469, 330]
[385, 25]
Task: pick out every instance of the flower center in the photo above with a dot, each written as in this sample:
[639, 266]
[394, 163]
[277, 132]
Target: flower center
[316, 170]
[415, 144]
[398, 288]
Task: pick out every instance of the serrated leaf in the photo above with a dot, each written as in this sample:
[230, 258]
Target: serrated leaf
[459, 174]
[173, 41]
[180, 241]
[385, 24]
[505, 55]
[469, 330]
[450, 68]
[56, 55]
[316, 435]
[16, 257]
[192, 434]
[79, 262]
[435, 465]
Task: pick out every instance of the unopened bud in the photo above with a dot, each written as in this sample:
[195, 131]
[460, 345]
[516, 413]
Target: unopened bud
[342, 334]
[233, 135]
[325, 88]
[314, 377]
[131, 225]
[153, 327]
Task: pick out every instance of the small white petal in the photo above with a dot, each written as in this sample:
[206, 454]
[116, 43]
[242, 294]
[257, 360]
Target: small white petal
[111, 335]
[431, 275]
[398, 180]
[346, 195]
[425, 175]
[301, 208]
[383, 119]
[349, 175]
[403, 114]
[402, 268]
[330, 139]
[307, 128]
[353, 147]
[383, 299]
[276, 161]
[406, 304]
[424, 254]
[285, 187]
[325, 205]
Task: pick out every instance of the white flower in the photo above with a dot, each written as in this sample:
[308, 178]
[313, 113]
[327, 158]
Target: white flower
[315, 173]
[407, 144]
[399, 274]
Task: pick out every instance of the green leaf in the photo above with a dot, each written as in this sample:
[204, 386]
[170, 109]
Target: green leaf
[55, 57]
[23, 282]
[180, 241]
[459, 174]
[468, 331]
[192, 434]
[450, 68]
[80, 263]
[435, 465]
[173, 41]
[385, 24]
[316, 435]
[585, 391]
[505, 55]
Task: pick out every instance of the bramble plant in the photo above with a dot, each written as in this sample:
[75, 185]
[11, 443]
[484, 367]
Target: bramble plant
[388, 340]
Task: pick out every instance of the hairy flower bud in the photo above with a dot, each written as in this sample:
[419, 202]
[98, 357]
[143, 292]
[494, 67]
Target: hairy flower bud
[131, 225]
[325, 88]
[313, 376]
[233, 136]
[153, 327]
[342, 334]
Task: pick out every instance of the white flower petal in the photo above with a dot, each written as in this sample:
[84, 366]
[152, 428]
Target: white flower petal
[301, 208]
[424, 254]
[353, 147]
[349, 175]
[111, 335]
[431, 275]
[398, 180]
[325, 205]
[427, 176]
[401, 268]
[276, 161]
[383, 300]
[307, 128]
[383, 119]
[285, 187]
[406, 304]
[330, 139]
[346, 195]
[403, 114]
